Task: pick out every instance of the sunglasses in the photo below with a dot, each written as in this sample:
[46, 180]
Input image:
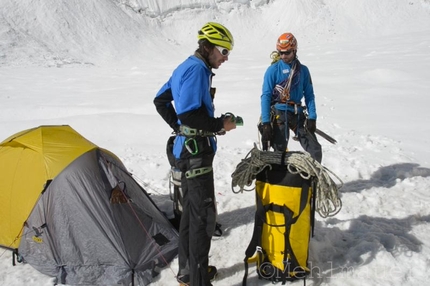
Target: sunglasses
[287, 53]
[224, 51]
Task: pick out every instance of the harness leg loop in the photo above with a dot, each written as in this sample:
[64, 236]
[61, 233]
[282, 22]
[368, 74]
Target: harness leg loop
[197, 172]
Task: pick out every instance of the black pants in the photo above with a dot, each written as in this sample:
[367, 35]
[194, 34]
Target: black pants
[199, 214]
[286, 120]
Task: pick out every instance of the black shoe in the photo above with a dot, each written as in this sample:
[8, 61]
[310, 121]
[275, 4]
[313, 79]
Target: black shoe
[212, 272]
[184, 280]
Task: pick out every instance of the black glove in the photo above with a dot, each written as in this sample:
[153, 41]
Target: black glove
[266, 132]
[311, 125]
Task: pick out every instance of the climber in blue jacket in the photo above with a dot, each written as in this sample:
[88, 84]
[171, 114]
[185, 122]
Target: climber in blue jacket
[286, 83]
[193, 120]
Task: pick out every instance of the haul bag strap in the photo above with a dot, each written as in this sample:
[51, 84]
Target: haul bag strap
[245, 276]
[303, 201]
[288, 214]
[256, 235]
[286, 211]
[314, 196]
[258, 227]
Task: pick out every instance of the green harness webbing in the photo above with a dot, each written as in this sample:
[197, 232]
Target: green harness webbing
[197, 172]
[192, 132]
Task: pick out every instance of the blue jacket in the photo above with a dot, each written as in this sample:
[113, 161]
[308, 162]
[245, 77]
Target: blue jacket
[189, 88]
[300, 87]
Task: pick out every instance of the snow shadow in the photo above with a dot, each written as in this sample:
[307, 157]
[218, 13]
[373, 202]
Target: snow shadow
[335, 252]
[228, 220]
[342, 252]
[386, 177]
[232, 219]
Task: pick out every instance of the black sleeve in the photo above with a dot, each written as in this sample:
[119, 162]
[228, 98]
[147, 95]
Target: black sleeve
[199, 119]
[164, 106]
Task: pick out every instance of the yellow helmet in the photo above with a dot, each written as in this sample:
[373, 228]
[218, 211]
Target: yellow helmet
[217, 34]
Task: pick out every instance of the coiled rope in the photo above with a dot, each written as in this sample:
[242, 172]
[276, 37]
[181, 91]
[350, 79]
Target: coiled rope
[327, 201]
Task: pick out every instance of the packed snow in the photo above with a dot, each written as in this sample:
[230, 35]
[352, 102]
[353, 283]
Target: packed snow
[96, 65]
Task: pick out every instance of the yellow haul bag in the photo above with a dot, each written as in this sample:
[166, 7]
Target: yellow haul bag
[282, 227]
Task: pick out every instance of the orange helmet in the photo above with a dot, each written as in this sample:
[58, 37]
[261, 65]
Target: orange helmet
[285, 42]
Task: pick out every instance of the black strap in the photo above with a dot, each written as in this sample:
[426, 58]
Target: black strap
[289, 250]
[313, 202]
[256, 235]
[283, 158]
[14, 254]
[245, 276]
[47, 183]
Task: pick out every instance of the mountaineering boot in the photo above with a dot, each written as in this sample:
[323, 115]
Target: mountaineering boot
[184, 280]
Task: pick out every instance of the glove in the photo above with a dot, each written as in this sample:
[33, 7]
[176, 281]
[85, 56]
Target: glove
[311, 125]
[266, 132]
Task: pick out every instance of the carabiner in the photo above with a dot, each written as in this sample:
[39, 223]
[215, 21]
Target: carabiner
[190, 149]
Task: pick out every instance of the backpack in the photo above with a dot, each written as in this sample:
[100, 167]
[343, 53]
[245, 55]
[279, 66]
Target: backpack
[290, 187]
[283, 220]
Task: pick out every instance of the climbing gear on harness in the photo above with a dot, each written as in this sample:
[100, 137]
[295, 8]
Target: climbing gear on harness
[197, 172]
[295, 105]
[191, 146]
[328, 202]
[192, 132]
[281, 91]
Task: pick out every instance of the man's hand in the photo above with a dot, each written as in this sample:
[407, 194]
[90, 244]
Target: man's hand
[266, 134]
[229, 124]
[311, 125]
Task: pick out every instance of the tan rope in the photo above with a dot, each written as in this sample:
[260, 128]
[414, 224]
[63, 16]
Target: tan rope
[328, 202]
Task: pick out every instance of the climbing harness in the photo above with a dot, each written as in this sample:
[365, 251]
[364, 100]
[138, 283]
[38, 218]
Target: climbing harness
[192, 132]
[328, 202]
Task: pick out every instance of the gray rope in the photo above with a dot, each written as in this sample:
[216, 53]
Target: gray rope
[327, 201]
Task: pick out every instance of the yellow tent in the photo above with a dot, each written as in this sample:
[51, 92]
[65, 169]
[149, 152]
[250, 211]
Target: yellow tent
[72, 211]
[28, 160]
